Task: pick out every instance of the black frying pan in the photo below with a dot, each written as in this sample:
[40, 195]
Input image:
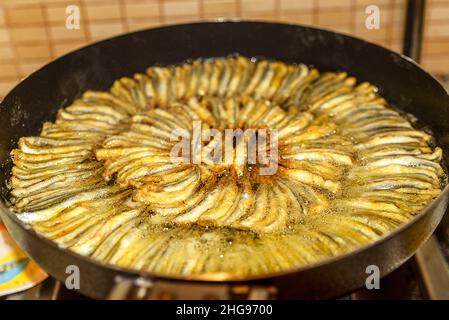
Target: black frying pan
[37, 98]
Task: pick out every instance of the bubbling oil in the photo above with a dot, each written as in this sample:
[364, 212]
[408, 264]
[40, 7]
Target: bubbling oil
[102, 181]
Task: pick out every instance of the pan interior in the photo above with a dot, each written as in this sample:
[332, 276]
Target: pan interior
[101, 181]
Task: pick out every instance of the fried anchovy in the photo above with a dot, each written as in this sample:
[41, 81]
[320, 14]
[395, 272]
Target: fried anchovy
[103, 179]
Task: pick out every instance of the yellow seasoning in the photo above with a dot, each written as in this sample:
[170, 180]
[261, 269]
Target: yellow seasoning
[17, 271]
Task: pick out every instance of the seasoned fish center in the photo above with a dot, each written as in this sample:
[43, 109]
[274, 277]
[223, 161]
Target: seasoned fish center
[144, 175]
[298, 176]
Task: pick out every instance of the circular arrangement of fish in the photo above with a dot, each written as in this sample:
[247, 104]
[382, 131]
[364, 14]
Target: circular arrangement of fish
[100, 180]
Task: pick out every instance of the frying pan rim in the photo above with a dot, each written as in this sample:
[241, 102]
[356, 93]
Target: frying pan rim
[226, 277]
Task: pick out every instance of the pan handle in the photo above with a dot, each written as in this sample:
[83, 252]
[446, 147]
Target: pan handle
[147, 289]
[413, 32]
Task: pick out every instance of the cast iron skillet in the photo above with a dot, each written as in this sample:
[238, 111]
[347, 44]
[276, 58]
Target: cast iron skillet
[37, 98]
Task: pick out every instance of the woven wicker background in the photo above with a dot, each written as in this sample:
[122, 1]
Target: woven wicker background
[33, 32]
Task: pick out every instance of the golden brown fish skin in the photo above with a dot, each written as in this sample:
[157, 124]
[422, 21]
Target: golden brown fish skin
[100, 180]
[137, 166]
